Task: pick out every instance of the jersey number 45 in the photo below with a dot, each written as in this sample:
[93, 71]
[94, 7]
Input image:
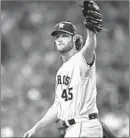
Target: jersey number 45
[67, 94]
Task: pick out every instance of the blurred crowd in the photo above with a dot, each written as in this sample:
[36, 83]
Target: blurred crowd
[29, 63]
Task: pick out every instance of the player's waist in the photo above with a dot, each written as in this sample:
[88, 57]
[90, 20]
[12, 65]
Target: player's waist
[73, 121]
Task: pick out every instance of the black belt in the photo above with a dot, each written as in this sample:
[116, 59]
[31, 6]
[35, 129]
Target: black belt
[72, 121]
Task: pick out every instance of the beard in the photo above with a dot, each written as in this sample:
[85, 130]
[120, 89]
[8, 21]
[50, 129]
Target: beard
[63, 49]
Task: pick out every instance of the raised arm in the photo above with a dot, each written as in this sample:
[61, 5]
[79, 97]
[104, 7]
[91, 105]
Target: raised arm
[89, 48]
[93, 24]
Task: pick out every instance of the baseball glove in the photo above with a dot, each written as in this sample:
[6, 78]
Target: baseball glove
[93, 17]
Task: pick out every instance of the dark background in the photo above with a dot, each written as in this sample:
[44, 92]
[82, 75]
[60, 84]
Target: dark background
[29, 63]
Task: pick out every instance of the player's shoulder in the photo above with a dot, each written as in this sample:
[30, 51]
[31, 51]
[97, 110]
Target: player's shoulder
[83, 59]
[77, 57]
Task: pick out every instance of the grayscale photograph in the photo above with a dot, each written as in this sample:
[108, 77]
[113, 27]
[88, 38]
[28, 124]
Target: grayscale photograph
[65, 69]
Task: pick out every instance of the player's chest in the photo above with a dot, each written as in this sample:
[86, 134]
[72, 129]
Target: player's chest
[64, 76]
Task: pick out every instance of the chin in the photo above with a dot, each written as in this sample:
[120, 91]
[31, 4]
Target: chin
[61, 49]
[64, 49]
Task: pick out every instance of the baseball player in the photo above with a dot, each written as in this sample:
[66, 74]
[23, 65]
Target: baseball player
[75, 87]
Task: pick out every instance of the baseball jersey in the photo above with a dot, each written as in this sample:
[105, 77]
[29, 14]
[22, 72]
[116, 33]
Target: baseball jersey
[76, 88]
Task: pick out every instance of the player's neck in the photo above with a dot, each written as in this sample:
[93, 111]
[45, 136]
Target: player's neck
[66, 56]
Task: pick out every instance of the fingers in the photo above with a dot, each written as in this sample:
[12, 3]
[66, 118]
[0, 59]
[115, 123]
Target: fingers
[94, 20]
[27, 135]
[95, 14]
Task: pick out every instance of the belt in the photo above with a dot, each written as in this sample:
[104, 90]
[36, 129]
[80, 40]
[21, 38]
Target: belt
[72, 121]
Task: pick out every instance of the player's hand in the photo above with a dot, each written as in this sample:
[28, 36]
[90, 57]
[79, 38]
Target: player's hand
[61, 128]
[30, 133]
[93, 17]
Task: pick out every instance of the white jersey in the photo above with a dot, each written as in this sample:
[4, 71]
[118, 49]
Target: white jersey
[76, 88]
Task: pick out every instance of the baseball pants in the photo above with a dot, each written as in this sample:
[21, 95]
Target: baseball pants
[87, 128]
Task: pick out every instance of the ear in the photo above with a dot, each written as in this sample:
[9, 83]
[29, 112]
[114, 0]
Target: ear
[75, 38]
[54, 44]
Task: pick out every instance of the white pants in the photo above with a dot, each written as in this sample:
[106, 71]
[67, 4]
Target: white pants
[88, 128]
